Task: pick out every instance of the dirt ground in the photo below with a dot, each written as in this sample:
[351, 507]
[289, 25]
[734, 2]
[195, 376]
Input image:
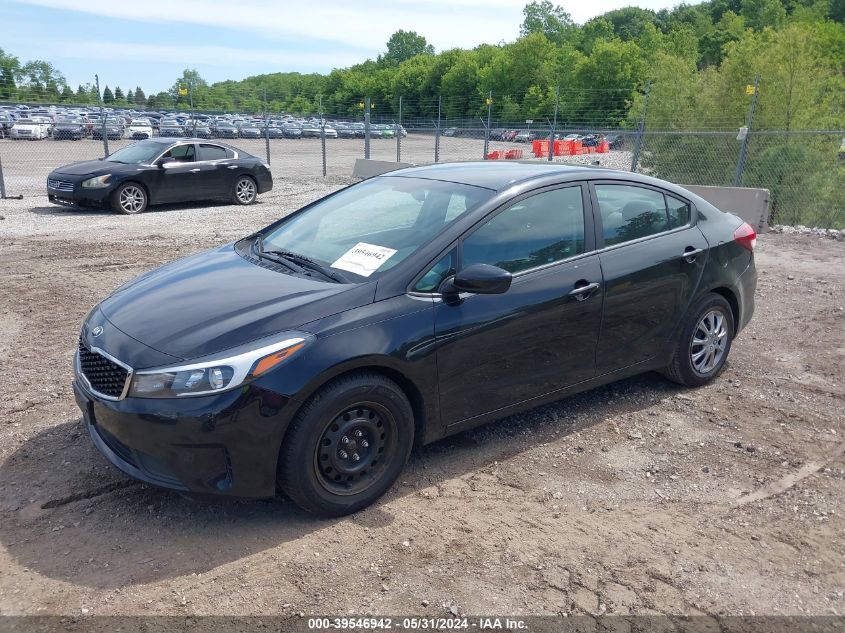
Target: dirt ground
[638, 497]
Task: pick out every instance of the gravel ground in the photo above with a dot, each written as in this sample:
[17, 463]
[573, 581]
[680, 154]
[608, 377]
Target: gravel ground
[27, 163]
[638, 497]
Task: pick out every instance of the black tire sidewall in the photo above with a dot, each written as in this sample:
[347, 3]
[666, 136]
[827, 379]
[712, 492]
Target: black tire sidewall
[235, 190]
[705, 304]
[297, 456]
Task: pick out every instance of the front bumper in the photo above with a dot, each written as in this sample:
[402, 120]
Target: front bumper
[79, 197]
[224, 444]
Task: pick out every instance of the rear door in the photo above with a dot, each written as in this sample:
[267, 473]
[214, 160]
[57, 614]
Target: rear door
[652, 256]
[216, 171]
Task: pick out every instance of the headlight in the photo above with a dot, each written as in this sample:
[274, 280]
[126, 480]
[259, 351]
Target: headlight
[219, 372]
[97, 182]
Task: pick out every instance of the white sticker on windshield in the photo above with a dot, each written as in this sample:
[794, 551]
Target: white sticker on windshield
[364, 259]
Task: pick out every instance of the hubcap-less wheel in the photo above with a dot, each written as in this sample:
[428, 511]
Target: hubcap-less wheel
[245, 191]
[354, 449]
[132, 199]
[709, 341]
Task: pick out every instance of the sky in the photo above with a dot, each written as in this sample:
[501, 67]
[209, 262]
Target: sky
[149, 43]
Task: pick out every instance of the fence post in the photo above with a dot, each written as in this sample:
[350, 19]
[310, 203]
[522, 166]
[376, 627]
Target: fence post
[2, 182]
[743, 144]
[437, 131]
[266, 128]
[398, 134]
[102, 118]
[640, 129]
[554, 124]
[487, 127]
[323, 135]
[366, 127]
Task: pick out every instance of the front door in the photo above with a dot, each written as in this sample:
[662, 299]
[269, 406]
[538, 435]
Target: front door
[178, 180]
[653, 260]
[538, 337]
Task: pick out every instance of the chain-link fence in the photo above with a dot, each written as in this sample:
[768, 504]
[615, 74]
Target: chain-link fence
[804, 170]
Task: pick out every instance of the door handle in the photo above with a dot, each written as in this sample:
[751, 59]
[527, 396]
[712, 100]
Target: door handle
[583, 292]
[690, 253]
[194, 171]
[232, 166]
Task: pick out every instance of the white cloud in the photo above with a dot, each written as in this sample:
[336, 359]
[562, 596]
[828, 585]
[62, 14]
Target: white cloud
[366, 24]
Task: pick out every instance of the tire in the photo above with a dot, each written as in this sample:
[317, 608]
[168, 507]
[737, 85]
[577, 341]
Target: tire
[704, 343]
[363, 415]
[130, 198]
[244, 191]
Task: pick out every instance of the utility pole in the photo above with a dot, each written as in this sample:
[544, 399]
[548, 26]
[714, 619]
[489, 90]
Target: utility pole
[487, 128]
[266, 127]
[323, 135]
[744, 134]
[366, 127]
[641, 129]
[437, 130]
[398, 134]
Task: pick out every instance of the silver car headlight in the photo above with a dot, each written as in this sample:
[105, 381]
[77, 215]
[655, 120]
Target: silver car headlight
[97, 182]
[219, 372]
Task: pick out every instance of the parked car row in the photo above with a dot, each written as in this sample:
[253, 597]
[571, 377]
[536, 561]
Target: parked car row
[615, 141]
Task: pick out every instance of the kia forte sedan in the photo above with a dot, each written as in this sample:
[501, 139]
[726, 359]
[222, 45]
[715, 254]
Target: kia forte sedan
[159, 170]
[311, 356]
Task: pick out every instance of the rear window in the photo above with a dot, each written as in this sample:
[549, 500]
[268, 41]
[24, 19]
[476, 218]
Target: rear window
[214, 152]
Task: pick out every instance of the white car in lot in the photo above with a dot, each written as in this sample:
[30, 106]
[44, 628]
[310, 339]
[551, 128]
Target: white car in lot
[34, 129]
[140, 129]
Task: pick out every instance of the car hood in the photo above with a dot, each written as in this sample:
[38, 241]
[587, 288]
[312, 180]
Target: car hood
[95, 167]
[216, 300]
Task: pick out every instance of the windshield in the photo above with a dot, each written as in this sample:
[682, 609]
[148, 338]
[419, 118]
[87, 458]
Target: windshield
[371, 227]
[142, 152]
[140, 122]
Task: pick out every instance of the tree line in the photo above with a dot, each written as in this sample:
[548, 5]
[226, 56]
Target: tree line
[697, 61]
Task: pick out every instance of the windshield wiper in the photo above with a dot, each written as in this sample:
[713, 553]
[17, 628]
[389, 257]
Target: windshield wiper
[309, 263]
[273, 257]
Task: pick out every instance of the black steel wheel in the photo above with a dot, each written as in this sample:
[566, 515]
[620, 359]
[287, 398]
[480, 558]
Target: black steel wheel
[347, 445]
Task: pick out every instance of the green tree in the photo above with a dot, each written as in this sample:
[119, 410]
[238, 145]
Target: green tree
[43, 81]
[548, 19]
[10, 68]
[759, 14]
[67, 94]
[130, 97]
[118, 95]
[108, 96]
[404, 45]
[140, 97]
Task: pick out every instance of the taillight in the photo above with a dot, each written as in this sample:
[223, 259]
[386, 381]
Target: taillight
[746, 237]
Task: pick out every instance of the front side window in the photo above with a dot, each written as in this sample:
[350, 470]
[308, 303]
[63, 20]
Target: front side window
[182, 153]
[629, 212]
[445, 267]
[536, 231]
[379, 221]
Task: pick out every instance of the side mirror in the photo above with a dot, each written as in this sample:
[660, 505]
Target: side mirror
[479, 279]
[167, 160]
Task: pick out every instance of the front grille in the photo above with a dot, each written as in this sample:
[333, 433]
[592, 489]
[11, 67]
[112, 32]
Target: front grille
[105, 376]
[60, 185]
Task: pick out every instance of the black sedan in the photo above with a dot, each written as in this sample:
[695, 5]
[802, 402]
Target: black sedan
[225, 130]
[161, 170]
[313, 354]
[69, 129]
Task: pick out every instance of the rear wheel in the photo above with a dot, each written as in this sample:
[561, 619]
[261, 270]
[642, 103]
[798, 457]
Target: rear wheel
[129, 198]
[704, 343]
[347, 445]
[244, 190]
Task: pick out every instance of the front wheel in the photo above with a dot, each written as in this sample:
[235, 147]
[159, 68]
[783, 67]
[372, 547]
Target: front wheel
[704, 343]
[347, 445]
[129, 198]
[244, 190]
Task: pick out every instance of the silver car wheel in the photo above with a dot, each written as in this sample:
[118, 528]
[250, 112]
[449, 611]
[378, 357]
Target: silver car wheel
[709, 341]
[132, 199]
[245, 190]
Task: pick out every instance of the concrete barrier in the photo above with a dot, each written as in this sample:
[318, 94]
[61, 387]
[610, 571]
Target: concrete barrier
[752, 205]
[367, 168]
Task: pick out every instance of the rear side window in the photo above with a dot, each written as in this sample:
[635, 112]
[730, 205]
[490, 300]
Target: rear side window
[679, 212]
[538, 230]
[629, 212]
[213, 152]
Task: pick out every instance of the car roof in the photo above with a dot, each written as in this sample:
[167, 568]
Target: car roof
[499, 175]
